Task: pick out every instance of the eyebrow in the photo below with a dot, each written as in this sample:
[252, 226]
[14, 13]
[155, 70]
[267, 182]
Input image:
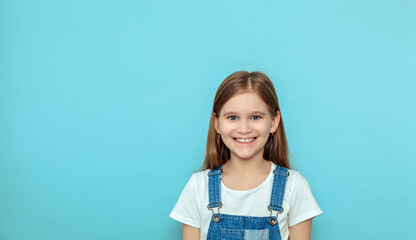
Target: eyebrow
[252, 113]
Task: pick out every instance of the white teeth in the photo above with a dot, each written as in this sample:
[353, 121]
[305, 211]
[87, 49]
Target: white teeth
[244, 140]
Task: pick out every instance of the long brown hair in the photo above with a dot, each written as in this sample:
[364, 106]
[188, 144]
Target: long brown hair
[276, 148]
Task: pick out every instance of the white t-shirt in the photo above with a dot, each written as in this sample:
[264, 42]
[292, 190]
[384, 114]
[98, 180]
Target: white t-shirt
[298, 202]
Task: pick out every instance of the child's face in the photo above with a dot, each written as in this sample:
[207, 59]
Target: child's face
[245, 123]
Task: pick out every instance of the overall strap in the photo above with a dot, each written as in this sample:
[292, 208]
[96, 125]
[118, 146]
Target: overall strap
[214, 187]
[278, 190]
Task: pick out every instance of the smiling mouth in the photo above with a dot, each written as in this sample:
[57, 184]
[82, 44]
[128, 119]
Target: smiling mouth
[245, 140]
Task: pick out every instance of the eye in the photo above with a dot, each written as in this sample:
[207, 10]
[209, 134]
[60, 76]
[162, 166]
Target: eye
[232, 117]
[255, 117]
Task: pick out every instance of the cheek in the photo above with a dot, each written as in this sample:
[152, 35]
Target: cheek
[264, 127]
[265, 130]
[226, 131]
[225, 127]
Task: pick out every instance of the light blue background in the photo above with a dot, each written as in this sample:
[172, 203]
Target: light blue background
[105, 108]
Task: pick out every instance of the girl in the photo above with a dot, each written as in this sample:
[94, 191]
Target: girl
[246, 189]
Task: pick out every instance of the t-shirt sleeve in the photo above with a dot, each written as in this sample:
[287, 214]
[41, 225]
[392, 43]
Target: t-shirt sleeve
[303, 205]
[186, 209]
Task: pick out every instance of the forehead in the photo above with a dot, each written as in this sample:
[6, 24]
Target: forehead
[245, 102]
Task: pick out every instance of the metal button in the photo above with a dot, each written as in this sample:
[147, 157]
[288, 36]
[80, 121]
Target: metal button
[217, 218]
[272, 221]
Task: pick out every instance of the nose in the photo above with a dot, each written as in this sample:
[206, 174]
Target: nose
[244, 127]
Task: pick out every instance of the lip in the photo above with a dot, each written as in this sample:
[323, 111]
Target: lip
[245, 143]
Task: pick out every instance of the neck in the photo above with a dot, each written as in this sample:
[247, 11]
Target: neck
[247, 167]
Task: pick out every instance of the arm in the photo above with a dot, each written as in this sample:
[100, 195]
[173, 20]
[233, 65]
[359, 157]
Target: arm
[301, 231]
[190, 233]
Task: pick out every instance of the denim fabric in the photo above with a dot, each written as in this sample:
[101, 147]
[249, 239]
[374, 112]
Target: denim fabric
[278, 190]
[233, 227]
[214, 191]
[256, 234]
[237, 234]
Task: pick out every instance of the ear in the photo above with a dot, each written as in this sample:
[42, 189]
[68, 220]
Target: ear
[275, 122]
[216, 123]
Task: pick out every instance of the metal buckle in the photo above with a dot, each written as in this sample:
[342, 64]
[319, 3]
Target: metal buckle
[287, 175]
[217, 217]
[273, 220]
[212, 209]
[271, 210]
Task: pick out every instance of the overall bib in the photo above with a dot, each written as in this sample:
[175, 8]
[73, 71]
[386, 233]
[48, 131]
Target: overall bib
[236, 227]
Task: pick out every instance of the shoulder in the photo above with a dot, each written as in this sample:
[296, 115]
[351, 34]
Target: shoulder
[298, 190]
[200, 176]
[199, 181]
[296, 182]
[296, 178]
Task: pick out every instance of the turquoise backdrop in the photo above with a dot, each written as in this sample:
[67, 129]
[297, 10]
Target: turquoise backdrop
[104, 109]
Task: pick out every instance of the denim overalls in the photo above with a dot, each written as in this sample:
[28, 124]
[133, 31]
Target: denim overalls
[235, 227]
